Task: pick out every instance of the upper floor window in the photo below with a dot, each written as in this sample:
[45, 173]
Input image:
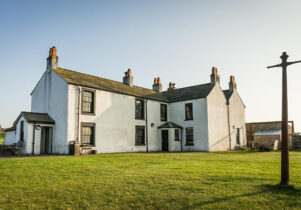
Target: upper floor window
[88, 102]
[188, 111]
[139, 109]
[140, 136]
[88, 131]
[189, 136]
[163, 110]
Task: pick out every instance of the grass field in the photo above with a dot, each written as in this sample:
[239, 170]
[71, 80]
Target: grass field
[2, 138]
[235, 180]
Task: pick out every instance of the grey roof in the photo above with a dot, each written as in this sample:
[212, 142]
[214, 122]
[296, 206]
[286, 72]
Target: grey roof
[10, 129]
[35, 117]
[188, 93]
[228, 94]
[77, 78]
[169, 125]
[181, 94]
[267, 132]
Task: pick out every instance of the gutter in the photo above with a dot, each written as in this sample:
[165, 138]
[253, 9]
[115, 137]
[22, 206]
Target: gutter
[146, 129]
[229, 131]
[33, 137]
[78, 107]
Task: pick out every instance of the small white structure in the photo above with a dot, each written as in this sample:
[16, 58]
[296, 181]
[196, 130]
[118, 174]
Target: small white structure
[110, 116]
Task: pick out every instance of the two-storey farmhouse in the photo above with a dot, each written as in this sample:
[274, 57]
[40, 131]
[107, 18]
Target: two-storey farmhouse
[109, 116]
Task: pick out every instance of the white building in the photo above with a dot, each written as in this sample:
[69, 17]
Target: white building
[109, 116]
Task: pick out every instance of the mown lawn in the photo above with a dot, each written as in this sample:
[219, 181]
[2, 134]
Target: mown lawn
[235, 180]
[2, 138]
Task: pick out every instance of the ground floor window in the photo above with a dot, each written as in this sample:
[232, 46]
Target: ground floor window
[177, 135]
[88, 134]
[189, 136]
[140, 135]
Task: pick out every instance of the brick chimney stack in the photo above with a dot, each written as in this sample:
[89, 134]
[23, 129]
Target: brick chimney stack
[128, 78]
[171, 86]
[157, 86]
[52, 60]
[232, 84]
[214, 76]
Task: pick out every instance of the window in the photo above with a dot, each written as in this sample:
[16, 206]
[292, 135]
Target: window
[163, 112]
[177, 135]
[88, 134]
[22, 131]
[140, 135]
[189, 136]
[139, 109]
[188, 111]
[88, 102]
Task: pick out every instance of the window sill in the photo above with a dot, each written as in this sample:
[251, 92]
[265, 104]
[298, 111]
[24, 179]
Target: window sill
[88, 113]
[189, 144]
[139, 145]
[188, 119]
[139, 118]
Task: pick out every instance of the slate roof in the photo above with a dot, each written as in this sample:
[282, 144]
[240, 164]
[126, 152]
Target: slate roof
[169, 125]
[35, 117]
[188, 93]
[181, 94]
[77, 78]
[228, 94]
[10, 129]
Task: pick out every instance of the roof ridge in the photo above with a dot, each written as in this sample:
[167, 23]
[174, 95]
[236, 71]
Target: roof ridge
[188, 87]
[105, 78]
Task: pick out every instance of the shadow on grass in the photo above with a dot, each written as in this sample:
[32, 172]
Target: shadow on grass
[289, 191]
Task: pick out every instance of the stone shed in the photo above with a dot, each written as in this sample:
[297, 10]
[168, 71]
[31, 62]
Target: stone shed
[265, 133]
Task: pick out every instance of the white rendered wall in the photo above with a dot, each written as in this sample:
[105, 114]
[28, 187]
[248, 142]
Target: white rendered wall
[51, 96]
[237, 119]
[217, 120]
[115, 122]
[15, 135]
[199, 122]
[10, 137]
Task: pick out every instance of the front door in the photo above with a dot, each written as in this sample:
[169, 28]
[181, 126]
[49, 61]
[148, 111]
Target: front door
[46, 140]
[164, 140]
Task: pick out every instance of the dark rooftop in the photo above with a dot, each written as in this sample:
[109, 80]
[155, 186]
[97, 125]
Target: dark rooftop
[35, 117]
[169, 125]
[181, 94]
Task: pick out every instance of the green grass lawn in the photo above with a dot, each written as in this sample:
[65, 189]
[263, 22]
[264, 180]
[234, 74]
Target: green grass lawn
[235, 180]
[2, 138]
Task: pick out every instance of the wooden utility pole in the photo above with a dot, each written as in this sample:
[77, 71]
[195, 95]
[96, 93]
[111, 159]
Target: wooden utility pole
[284, 143]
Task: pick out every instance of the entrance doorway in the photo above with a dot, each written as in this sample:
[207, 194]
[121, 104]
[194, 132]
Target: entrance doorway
[237, 136]
[46, 140]
[164, 137]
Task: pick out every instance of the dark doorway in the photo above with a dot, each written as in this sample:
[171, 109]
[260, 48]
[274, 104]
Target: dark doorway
[164, 140]
[46, 140]
[238, 136]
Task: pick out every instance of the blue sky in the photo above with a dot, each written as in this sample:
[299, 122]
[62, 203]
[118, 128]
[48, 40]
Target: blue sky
[177, 40]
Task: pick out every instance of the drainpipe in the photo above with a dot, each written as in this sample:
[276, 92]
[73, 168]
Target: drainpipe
[229, 129]
[33, 137]
[78, 109]
[146, 129]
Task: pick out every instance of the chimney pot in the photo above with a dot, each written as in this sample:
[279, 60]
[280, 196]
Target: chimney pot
[128, 78]
[232, 84]
[52, 60]
[214, 76]
[157, 86]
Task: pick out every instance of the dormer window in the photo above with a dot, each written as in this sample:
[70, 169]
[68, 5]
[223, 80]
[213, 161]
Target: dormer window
[88, 102]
